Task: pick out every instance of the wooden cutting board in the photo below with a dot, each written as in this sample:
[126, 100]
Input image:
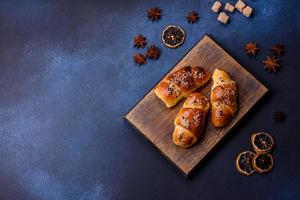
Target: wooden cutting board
[155, 121]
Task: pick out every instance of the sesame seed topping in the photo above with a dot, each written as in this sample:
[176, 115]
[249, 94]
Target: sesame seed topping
[184, 121]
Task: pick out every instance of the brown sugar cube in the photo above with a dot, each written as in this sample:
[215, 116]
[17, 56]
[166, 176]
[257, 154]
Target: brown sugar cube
[240, 5]
[216, 7]
[247, 11]
[229, 7]
[223, 18]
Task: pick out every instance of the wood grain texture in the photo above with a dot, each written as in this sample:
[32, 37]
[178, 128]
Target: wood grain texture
[155, 121]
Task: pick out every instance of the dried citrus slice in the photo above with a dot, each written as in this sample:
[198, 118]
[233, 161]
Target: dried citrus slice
[173, 36]
[263, 163]
[262, 142]
[244, 162]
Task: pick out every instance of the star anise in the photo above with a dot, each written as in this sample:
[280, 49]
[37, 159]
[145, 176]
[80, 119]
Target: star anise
[153, 52]
[271, 64]
[251, 48]
[154, 13]
[277, 50]
[139, 59]
[192, 17]
[279, 117]
[139, 41]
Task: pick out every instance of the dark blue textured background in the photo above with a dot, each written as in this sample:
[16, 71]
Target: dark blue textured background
[67, 78]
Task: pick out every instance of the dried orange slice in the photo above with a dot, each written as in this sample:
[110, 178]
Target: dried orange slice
[244, 162]
[262, 142]
[173, 36]
[263, 163]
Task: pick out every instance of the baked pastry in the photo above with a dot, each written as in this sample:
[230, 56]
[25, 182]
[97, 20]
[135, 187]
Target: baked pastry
[180, 84]
[190, 121]
[223, 98]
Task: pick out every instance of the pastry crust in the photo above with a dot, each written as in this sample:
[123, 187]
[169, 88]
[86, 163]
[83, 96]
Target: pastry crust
[223, 98]
[180, 84]
[190, 121]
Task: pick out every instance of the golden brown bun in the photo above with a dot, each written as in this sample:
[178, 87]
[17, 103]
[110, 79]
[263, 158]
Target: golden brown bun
[223, 98]
[190, 121]
[180, 84]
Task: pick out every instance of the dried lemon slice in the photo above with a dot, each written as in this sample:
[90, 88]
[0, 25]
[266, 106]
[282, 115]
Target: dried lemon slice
[244, 162]
[262, 142]
[173, 36]
[263, 163]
